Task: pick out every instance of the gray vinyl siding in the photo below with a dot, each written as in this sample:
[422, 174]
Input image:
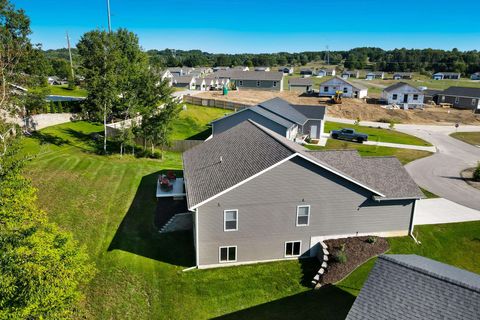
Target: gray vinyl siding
[309, 123]
[264, 85]
[299, 88]
[267, 213]
[463, 102]
[229, 122]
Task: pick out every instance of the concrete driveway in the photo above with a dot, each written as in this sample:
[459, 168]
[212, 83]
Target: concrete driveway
[440, 173]
[435, 211]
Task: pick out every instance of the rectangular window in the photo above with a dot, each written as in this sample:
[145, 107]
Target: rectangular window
[303, 215]
[274, 83]
[394, 96]
[228, 254]
[292, 248]
[258, 83]
[345, 90]
[415, 97]
[457, 99]
[474, 102]
[230, 220]
[325, 89]
[240, 83]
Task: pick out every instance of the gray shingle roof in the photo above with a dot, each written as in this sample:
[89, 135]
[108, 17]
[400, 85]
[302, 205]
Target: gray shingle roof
[413, 287]
[300, 81]
[284, 109]
[248, 148]
[255, 75]
[355, 85]
[311, 112]
[462, 92]
[182, 79]
[399, 85]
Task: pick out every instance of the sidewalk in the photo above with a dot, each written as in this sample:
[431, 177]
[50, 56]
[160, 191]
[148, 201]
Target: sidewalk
[440, 210]
[402, 146]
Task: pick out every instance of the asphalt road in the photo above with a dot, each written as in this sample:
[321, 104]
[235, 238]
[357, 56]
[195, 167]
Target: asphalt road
[440, 173]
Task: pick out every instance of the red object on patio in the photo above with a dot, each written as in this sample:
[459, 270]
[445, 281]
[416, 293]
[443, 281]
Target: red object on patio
[171, 175]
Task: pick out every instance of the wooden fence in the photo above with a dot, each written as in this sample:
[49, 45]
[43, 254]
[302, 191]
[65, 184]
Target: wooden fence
[230, 105]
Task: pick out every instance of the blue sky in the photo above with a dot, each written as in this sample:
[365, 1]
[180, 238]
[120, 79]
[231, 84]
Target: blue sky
[235, 26]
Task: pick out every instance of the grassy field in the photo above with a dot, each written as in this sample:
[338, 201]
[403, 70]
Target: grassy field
[404, 155]
[63, 90]
[108, 203]
[468, 137]
[193, 122]
[379, 134]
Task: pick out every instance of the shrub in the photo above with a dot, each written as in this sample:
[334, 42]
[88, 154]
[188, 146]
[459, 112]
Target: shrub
[391, 125]
[371, 239]
[339, 256]
[476, 173]
[357, 121]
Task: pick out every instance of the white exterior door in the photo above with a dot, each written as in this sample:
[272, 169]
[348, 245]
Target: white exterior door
[313, 132]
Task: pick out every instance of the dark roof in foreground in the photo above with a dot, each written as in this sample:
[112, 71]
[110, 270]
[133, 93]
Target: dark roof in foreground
[284, 109]
[311, 112]
[248, 148]
[462, 92]
[413, 287]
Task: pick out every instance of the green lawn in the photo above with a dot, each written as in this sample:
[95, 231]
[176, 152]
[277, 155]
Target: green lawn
[193, 122]
[468, 137]
[404, 155]
[107, 202]
[64, 91]
[379, 134]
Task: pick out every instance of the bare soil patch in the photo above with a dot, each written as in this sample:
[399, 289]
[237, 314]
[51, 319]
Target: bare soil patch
[467, 175]
[357, 249]
[353, 108]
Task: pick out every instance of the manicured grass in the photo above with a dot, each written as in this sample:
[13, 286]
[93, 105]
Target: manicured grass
[108, 203]
[193, 123]
[64, 91]
[404, 155]
[468, 137]
[379, 134]
[428, 194]
[457, 244]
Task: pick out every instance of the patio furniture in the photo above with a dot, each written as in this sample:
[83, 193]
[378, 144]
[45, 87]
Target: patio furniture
[171, 175]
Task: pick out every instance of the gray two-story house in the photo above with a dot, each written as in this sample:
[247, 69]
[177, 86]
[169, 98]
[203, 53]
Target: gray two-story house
[254, 80]
[290, 121]
[257, 196]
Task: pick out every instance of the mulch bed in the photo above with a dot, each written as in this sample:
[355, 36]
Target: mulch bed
[467, 175]
[357, 250]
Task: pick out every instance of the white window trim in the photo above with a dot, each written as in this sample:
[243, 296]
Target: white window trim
[274, 83]
[285, 249]
[457, 100]
[236, 253]
[225, 220]
[296, 220]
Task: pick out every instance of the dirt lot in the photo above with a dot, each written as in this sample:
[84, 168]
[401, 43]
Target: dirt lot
[353, 108]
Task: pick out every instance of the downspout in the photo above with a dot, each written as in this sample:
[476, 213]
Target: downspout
[410, 229]
[197, 253]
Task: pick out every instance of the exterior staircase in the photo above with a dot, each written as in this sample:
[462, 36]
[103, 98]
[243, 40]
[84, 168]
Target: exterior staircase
[323, 256]
[180, 221]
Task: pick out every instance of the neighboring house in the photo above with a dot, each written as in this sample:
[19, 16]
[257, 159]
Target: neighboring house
[346, 74]
[446, 75]
[350, 90]
[431, 95]
[407, 286]
[290, 121]
[180, 72]
[286, 70]
[258, 197]
[402, 76]
[306, 72]
[241, 68]
[200, 84]
[461, 98]
[201, 71]
[272, 81]
[56, 81]
[403, 94]
[375, 75]
[166, 74]
[187, 82]
[266, 69]
[325, 72]
[210, 83]
[215, 69]
[300, 84]
[221, 82]
[475, 76]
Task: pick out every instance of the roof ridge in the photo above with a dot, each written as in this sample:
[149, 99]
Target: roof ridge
[431, 273]
[269, 133]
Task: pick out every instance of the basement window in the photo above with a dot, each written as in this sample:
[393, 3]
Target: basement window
[228, 254]
[292, 248]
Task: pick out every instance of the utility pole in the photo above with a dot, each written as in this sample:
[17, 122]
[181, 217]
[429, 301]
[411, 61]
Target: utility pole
[70, 54]
[328, 56]
[108, 13]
